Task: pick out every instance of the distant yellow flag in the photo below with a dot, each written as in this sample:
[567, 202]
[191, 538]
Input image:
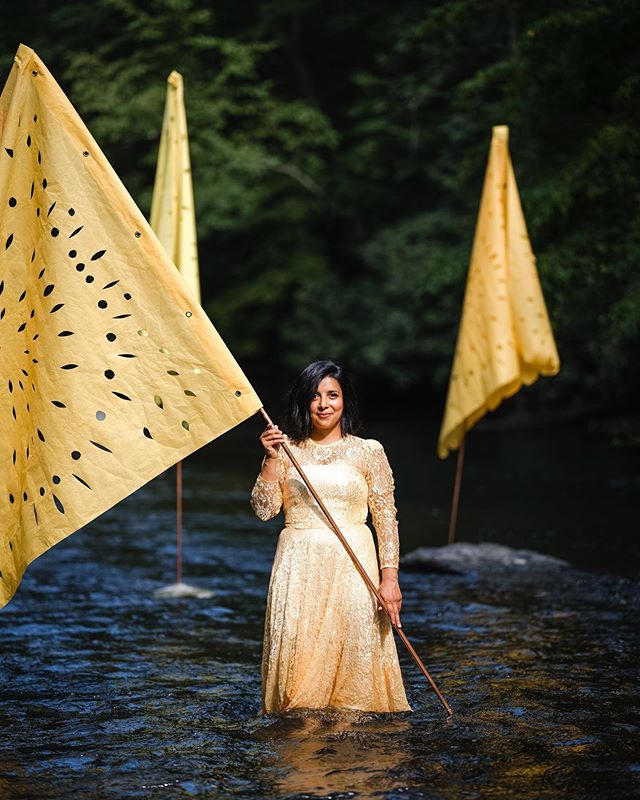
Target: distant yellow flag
[172, 210]
[505, 338]
[109, 371]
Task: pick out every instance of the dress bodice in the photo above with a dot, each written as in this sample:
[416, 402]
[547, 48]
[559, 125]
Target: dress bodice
[352, 476]
[344, 487]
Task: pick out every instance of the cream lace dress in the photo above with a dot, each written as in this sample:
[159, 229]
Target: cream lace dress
[325, 642]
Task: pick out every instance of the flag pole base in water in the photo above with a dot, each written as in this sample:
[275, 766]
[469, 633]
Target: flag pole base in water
[182, 590]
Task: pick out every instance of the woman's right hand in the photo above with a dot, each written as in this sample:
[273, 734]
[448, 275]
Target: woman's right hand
[271, 438]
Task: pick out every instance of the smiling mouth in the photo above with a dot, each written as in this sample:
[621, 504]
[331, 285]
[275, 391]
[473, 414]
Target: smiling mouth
[324, 415]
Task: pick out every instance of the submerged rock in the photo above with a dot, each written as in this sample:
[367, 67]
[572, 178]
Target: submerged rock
[461, 558]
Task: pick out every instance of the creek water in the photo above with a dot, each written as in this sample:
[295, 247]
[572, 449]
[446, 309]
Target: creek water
[107, 691]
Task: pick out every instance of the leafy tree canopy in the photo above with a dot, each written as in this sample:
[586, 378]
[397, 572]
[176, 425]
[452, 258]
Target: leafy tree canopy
[338, 154]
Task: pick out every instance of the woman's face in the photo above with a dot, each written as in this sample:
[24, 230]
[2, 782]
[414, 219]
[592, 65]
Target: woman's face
[326, 405]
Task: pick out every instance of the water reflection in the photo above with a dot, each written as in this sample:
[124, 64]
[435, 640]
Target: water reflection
[325, 753]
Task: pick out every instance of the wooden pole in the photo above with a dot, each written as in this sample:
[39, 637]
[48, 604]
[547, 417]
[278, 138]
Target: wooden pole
[179, 522]
[361, 569]
[453, 519]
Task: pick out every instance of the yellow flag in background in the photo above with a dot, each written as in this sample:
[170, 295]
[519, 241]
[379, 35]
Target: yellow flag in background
[505, 338]
[109, 371]
[172, 210]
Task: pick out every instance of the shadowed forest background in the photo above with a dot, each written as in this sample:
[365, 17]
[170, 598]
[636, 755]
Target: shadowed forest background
[338, 153]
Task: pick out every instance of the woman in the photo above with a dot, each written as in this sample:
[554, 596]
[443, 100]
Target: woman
[326, 642]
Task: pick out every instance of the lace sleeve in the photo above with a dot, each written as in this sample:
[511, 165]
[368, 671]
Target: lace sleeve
[266, 496]
[382, 504]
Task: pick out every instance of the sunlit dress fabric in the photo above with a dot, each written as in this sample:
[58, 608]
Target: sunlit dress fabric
[325, 642]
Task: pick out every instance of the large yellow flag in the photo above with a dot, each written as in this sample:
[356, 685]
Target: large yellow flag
[109, 371]
[505, 338]
[172, 210]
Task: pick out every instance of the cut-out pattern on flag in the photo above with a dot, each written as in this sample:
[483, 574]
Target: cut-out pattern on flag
[173, 215]
[109, 372]
[505, 338]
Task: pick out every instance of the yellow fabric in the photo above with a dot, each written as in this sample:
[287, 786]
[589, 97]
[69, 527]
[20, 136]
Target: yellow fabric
[325, 642]
[172, 210]
[505, 338]
[109, 371]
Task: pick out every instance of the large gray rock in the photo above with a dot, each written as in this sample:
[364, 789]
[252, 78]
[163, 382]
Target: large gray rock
[461, 558]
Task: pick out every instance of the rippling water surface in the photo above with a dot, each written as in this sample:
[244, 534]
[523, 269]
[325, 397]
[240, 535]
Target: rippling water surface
[109, 692]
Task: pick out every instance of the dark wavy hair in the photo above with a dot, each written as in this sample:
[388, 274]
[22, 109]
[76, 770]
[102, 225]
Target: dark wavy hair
[297, 422]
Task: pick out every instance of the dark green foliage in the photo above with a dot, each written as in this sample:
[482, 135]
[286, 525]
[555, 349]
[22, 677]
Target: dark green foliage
[338, 155]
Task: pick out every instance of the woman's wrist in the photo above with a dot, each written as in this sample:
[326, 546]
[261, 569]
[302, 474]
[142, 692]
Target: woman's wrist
[269, 469]
[389, 573]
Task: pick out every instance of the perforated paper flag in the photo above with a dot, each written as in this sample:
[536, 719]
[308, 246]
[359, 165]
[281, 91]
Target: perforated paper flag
[109, 371]
[173, 215]
[505, 338]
